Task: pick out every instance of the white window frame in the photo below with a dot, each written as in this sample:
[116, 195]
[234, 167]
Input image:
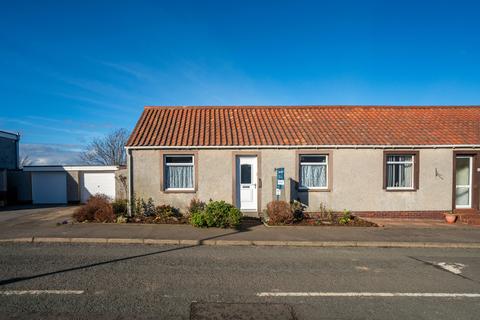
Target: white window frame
[304, 188]
[470, 185]
[166, 164]
[412, 162]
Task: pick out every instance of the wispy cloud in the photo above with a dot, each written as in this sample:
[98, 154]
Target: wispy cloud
[52, 154]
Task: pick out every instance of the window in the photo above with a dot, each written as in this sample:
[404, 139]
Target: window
[179, 172]
[463, 181]
[313, 171]
[246, 174]
[400, 171]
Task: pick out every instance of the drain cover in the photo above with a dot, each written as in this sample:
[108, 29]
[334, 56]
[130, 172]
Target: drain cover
[240, 311]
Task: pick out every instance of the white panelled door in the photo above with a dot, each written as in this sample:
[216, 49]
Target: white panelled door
[246, 178]
[97, 182]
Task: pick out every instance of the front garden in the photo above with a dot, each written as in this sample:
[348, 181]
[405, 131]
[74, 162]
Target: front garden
[218, 214]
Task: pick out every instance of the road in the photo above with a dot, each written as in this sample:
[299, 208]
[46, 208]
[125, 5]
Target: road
[214, 282]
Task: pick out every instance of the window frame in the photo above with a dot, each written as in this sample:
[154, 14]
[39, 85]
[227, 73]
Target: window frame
[328, 163]
[415, 170]
[164, 165]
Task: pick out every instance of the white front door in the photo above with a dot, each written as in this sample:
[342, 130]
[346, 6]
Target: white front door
[247, 182]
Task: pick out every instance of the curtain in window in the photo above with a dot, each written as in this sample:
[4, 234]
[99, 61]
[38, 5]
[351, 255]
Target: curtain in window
[400, 175]
[180, 177]
[313, 176]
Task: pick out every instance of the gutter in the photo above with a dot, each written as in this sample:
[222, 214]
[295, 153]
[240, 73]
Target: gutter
[352, 146]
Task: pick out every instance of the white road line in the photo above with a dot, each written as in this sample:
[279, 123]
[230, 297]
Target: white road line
[368, 294]
[37, 292]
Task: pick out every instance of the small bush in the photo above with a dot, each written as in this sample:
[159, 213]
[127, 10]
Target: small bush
[346, 217]
[148, 207]
[120, 207]
[280, 212]
[197, 219]
[217, 214]
[87, 212]
[195, 206]
[297, 209]
[104, 214]
[165, 211]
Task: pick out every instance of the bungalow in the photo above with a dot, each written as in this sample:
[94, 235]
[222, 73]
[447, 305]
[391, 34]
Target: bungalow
[395, 161]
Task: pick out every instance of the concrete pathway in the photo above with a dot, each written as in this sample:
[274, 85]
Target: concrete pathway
[41, 226]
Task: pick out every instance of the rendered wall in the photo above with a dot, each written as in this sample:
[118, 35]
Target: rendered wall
[357, 180]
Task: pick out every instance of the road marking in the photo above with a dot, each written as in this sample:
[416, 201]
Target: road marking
[369, 294]
[37, 292]
[455, 268]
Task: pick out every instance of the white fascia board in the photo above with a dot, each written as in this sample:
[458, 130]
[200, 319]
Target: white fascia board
[363, 146]
[69, 168]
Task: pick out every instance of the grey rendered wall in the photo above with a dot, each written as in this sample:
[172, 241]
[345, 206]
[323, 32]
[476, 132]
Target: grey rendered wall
[121, 190]
[357, 180]
[8, 153]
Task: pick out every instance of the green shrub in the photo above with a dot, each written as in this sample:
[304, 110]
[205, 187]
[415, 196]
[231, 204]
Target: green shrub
[148, 208]
[197, 219]
[217, 214]
[346, 217]
[120, 207]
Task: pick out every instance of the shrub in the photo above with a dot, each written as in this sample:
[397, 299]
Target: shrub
[195, 206]
[346, 217]
[197, 219]
[120, 207]
[104, 214]
[217, 214]
[297, 209]
[166, 211]
[148, 207]
[87, 212]
[280, 212]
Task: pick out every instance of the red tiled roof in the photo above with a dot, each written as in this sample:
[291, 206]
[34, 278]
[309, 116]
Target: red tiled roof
[307, 125]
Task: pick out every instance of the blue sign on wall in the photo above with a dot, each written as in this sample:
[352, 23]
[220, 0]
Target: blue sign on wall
[280, 178]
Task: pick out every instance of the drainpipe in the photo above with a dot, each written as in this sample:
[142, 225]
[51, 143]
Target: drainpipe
[130, 180]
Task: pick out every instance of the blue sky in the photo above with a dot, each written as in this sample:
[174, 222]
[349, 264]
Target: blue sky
[74, 70]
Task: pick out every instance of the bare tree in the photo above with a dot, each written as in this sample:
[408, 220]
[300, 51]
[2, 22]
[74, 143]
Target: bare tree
[109, 150]
[25, 160]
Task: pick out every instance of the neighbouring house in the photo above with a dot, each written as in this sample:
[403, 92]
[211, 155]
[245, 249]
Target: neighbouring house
[62, 184]
[9, 160]
[393, 161]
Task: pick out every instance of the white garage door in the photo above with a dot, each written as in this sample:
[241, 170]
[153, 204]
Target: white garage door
[98, 182]
[49, 187]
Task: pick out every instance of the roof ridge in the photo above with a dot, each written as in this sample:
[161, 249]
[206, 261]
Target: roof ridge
[310, 106]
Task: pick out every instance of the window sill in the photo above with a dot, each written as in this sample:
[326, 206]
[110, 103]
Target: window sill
[179, 191]
[313, 190]
[400, 189]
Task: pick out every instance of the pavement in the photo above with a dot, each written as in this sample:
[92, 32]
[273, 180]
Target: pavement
[88, 281]
[40, 225]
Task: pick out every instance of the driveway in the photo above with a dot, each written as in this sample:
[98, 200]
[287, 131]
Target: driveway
[34, 216]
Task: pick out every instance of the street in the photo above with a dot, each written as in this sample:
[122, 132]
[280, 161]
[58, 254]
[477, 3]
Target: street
[63, 281]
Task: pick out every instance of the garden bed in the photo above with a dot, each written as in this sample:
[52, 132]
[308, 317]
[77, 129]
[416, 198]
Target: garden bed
[319, 222]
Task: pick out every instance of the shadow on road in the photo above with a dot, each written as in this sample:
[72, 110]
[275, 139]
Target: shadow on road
[242, 228]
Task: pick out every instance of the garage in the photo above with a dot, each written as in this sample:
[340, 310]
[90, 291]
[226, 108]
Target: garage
[97, 182]
[70, 184]
[49, 187]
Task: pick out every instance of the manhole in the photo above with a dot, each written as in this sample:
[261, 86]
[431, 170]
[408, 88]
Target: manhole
[240, 311]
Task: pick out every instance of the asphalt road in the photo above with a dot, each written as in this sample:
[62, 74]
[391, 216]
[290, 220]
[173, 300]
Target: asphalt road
[205, 282]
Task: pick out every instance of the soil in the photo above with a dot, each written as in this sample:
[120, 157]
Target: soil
[318, 222]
